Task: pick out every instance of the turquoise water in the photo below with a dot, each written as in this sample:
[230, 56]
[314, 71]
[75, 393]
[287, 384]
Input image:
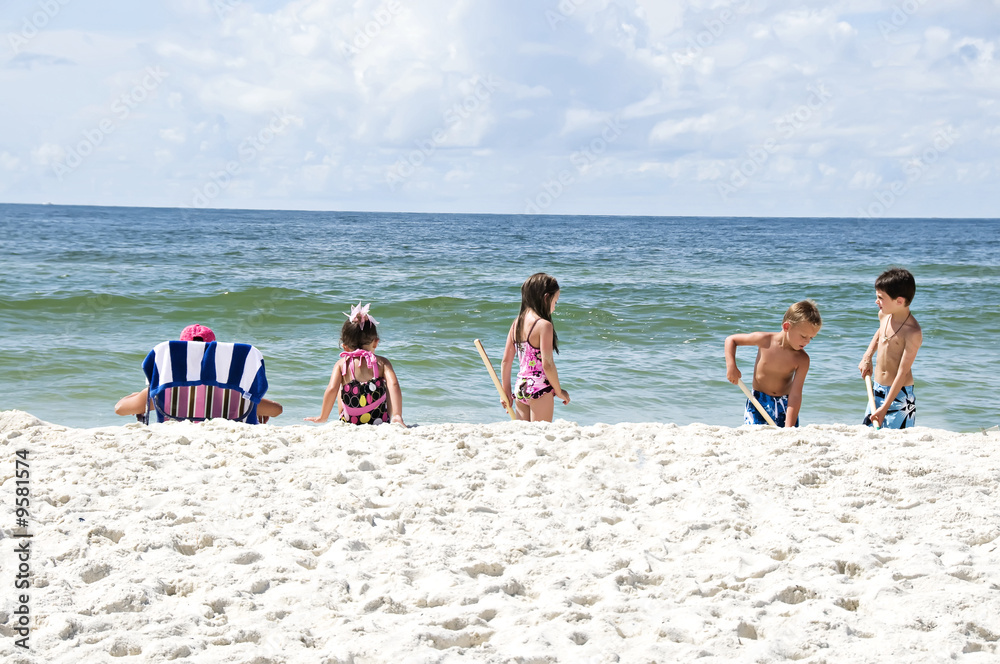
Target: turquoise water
[646, 303]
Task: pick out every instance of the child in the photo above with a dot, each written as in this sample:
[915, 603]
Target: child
[135, 403]
[779, 372]
[533, 338]
[372, 394]
[897, 341]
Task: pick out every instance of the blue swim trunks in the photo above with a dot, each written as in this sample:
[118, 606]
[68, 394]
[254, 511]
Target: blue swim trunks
[775, 407]
[902, 413]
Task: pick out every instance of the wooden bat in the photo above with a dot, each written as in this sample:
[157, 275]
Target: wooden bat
[871, 400]
[496, 381]
[756, 404]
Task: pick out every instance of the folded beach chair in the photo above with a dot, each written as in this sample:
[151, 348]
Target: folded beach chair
[194, 380]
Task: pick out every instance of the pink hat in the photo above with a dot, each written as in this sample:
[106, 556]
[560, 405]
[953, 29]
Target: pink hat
[191, 331]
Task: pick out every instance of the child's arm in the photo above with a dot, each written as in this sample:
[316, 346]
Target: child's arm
[913, 342]
[795, 393]
[395, 394]
[331, 394]
[865, 366]
[267, 409]
[133, 404]
[733, 374]
[548, 362]
[507, 363]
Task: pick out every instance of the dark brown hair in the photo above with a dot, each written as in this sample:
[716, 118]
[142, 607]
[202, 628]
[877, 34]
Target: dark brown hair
[897, 282]
[536, 294]
[353, 336]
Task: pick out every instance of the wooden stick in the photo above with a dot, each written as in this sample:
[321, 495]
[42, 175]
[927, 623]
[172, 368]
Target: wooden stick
[756, 404]
[871, 400]
[496, 381]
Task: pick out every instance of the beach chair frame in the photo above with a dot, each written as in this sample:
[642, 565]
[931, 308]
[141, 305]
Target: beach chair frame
[198, 403]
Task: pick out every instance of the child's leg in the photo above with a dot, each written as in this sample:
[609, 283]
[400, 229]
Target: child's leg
[523, 411]
[542, 407]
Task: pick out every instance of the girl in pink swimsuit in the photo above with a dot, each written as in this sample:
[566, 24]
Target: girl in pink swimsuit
[533, 339]
[372, 394]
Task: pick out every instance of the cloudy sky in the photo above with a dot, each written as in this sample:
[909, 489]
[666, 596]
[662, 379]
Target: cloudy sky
[885, 108]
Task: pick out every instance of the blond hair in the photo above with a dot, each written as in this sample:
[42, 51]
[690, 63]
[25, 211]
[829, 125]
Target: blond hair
[805, 311]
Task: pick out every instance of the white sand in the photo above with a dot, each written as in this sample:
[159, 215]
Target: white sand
[504, 543]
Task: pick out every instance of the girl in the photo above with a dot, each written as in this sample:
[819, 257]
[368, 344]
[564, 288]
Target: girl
[533, 338]
[372, 394]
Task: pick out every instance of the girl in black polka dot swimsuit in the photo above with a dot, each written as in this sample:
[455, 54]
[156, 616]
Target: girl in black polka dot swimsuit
[372, 394]
[363, 403]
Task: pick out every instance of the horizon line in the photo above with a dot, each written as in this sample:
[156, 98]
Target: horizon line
[496, 214]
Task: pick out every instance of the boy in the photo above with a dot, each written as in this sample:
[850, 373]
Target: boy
[781, 365]
[897, 341]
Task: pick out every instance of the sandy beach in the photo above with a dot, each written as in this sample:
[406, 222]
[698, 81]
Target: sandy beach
[503, 542]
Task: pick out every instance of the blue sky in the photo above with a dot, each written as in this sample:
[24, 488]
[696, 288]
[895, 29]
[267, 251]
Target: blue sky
[842, 108]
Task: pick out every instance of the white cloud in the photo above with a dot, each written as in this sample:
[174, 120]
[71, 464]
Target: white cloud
[708, 123]
[173, 135]
[578, 119]
[662, 18]
[9, 162]
[976, 52]
[937, 42]
[531, 92]
[47, 154]
[803, 25]
[865, 180]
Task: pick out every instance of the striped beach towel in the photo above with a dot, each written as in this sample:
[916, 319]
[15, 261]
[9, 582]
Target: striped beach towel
[194, 380]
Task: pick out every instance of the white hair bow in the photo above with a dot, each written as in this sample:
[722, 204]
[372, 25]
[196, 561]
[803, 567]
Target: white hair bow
[359, 315]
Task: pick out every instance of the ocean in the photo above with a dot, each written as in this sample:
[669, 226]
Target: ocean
[646, 303]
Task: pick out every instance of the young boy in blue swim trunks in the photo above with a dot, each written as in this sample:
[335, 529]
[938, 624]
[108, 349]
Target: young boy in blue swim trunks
[779, 372]
[895, 344]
